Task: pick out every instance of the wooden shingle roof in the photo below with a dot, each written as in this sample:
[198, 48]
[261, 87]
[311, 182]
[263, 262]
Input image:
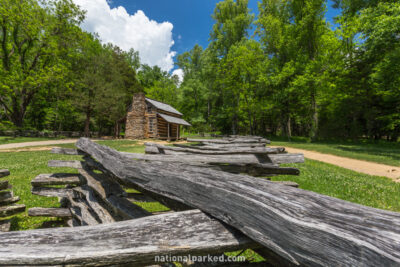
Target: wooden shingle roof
[163, 106]
[174, 120]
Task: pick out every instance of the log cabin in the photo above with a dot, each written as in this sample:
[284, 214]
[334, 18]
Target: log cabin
[149, 118]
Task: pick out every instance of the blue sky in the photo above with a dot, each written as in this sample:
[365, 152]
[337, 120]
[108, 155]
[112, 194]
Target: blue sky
[191, 18]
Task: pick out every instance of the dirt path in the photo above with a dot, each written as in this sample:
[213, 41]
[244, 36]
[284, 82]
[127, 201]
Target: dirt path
[37, 143]
[361, 166]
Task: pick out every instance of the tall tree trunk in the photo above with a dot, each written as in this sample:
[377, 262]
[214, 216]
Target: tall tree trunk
[17, 112]
[117, 129]
[55, 120]
[249, 115]
[208, 109]
[289, 120]
[87, 122]
[314, 119]
[17, 117]
[289, 128]
[234, 124]
[18, 120]
[395, 135]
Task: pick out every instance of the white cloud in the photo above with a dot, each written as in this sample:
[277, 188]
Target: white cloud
[179, 73]
[153, 40]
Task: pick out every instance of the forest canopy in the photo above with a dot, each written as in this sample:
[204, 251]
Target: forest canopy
[286, 71]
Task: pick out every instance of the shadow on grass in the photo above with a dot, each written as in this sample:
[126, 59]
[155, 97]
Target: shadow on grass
[52, 224]
[7, 139]
[15, 224]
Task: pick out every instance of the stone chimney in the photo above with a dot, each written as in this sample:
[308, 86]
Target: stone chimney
[135, 119]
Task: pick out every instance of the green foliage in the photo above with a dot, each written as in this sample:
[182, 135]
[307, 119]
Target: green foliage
[6, 125]
[381, 28]
[194, 96]
[299, 77]
[158, 84]
[34, 42]
[55, 76]
[294, 76]
[103, 85]
[240, 86]
[232, 24]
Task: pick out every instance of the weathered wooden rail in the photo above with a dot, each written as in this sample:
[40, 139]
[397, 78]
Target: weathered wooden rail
[301, 226]
[251, 156]
[287, 225]
[221, 159]
[7, 202]
[134, 242]
[92, 198]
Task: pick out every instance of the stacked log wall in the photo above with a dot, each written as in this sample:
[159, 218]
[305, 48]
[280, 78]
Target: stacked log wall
[162, 126]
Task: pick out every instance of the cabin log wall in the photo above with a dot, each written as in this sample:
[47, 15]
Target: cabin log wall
[140, 117]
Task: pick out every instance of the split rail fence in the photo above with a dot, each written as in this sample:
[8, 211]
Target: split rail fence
[217, 205]
[7, 202]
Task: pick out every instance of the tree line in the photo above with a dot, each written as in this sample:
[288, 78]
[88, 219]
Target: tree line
[298, 75]
[285, 72]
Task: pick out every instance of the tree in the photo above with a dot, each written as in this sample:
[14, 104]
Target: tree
[232, 23]
[361, 106]
[299, 43]
[242, 69]
[34, 39]
[120, 84]
[380, 27]
[104, 83]
[277, 35]
[309, 31]
[158, 84]
[193, 95]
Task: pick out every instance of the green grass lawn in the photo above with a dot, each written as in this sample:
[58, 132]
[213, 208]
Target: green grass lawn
[24, 166]
[11, 140]
[382, 152]
[327, 179]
